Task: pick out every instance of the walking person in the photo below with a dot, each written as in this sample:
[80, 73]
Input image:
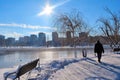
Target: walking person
[84, 52]
[99, 50]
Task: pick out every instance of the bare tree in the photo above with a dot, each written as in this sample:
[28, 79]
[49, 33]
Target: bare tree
[111, 28]
[72, 22]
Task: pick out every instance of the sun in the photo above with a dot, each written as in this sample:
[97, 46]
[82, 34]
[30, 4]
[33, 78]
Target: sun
[48, 9]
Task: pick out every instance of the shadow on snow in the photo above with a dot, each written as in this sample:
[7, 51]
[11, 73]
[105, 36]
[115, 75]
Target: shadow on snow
[110, 67]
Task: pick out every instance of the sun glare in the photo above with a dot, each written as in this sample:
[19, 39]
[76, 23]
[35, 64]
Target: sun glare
[48, 9]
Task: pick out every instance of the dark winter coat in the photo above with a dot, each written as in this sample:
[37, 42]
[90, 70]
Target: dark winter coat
[98, 48]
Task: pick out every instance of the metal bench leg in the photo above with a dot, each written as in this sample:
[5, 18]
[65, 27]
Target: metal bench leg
[29, 74]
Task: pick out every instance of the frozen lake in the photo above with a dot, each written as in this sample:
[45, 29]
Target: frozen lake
[17, 57]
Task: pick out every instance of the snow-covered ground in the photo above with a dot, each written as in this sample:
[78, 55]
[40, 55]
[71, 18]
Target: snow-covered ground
[89, 69]
[78, 69]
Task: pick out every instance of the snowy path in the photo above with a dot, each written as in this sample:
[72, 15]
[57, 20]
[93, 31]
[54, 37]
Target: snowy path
[80, 69]
[89, 69]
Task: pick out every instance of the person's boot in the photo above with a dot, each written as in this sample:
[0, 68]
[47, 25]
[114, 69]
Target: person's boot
[99, 61]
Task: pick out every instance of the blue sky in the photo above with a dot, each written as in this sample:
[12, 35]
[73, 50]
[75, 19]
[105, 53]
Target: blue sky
[23, 17]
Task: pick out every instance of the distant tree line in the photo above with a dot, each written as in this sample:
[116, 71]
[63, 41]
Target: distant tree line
[73, 22]
[111, 28]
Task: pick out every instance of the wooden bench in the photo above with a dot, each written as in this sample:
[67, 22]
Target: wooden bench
[21, 70]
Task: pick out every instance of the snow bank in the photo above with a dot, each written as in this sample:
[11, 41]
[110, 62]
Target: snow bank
[77, 69]
[48, 69]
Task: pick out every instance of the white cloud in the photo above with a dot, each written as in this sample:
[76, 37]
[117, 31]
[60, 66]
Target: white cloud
[62, 3]
[36, 33]
[17, 35]
[26, 26]
[13, 34]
